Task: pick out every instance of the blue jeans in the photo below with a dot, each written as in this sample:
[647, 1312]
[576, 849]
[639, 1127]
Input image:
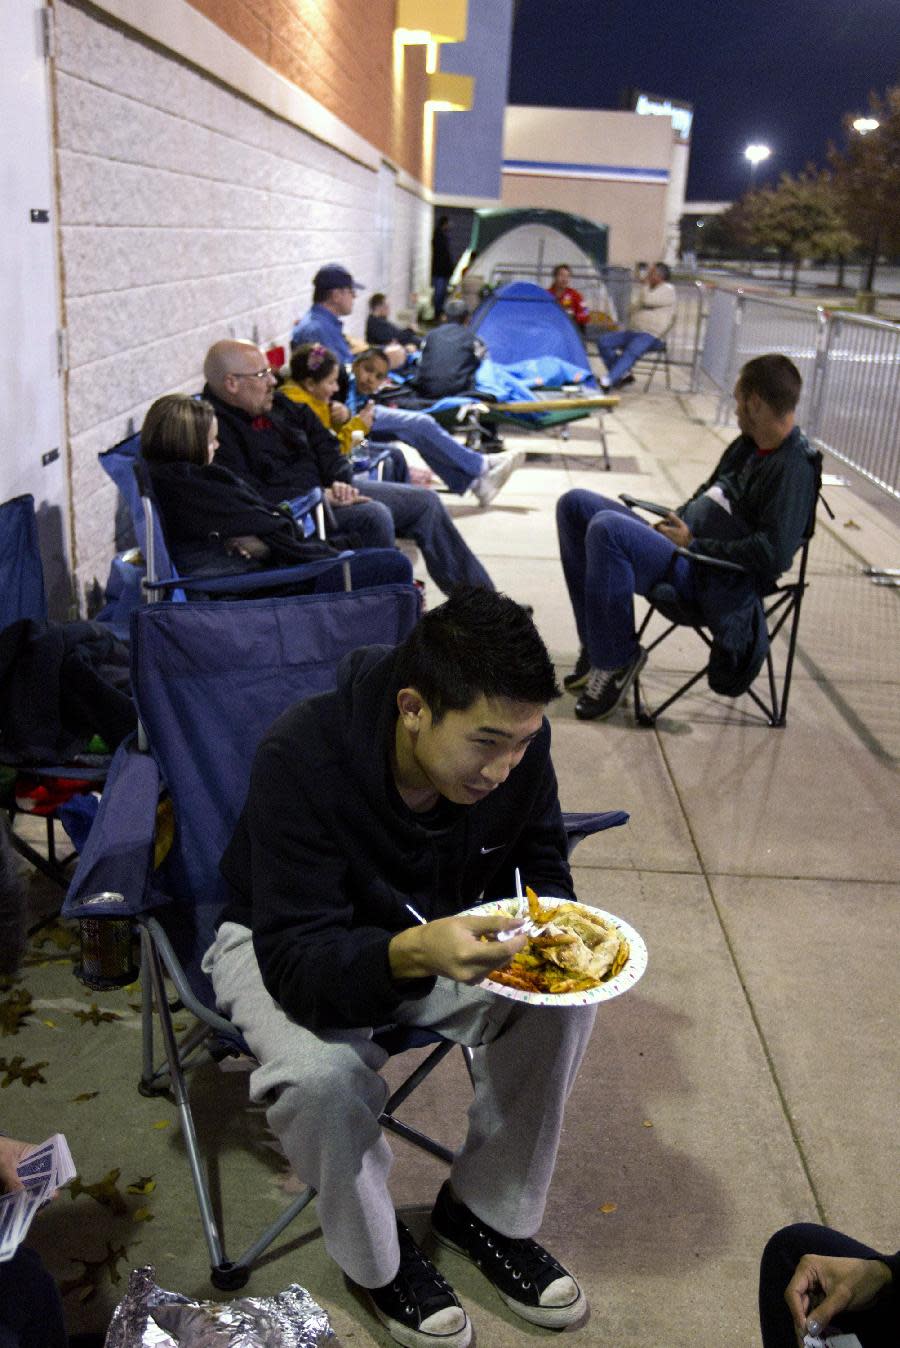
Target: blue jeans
[31, 1312]
[368, 567]
[397, 509]
[440, 285]
[608, 556]
[876, 1327]
[619, 350]
[457, 465]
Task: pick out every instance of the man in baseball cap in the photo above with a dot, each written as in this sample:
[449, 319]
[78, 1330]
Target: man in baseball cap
[333, 293]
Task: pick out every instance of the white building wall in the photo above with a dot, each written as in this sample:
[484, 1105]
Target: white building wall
[187, 213]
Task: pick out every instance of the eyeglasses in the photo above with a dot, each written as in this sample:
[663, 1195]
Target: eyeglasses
[252, 374]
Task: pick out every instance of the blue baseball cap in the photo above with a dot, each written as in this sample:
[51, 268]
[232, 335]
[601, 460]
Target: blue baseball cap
[335, 277]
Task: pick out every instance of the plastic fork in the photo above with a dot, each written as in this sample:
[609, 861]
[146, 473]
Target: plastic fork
[527, 927]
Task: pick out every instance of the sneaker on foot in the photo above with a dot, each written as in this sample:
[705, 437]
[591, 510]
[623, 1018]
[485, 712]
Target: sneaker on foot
[498, 468]
[528, 1278]
[419, 1307]
[607, 687]
[579, 676]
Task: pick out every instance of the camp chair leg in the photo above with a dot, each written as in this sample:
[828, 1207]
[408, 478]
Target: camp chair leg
[406, 1130]
[51, 865]
[182, 1103]
[603, 441]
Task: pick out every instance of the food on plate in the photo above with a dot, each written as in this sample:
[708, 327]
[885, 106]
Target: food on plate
[576, 950]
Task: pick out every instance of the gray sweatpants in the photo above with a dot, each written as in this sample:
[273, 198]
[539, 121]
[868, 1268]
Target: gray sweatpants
[324, 1096]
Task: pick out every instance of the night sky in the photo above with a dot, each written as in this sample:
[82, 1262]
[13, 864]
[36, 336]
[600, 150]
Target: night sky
[781, 73]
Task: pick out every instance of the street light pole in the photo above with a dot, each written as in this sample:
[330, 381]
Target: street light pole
[862, 126]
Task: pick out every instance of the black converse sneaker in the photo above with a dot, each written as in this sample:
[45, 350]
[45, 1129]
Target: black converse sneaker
[579, 676]
[607, 687]
[419, 1308]
[528, 1278]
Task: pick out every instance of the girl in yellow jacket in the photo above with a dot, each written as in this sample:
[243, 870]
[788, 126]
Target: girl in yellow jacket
[314, 381]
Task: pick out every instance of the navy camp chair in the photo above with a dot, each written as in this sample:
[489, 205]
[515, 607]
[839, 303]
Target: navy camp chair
[209, 679]
[124, 465]
[23, 598]
[781, 608]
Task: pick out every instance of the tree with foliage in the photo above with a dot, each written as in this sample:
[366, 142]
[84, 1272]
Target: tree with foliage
[802, 217]
[867, 180]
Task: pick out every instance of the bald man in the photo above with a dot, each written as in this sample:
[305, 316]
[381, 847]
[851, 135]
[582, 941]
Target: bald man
[283, 450]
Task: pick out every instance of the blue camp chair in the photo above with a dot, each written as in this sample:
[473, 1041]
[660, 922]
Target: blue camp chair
[124, 465]
[209, 679]
[23, 597]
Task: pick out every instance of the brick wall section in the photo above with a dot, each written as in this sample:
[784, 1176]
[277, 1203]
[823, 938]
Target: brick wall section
[342, 54]
[187, 214]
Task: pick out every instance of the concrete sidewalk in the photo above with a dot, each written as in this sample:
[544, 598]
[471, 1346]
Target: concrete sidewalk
[749, 1080]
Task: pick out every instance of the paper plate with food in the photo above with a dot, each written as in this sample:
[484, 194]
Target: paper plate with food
[580, 955]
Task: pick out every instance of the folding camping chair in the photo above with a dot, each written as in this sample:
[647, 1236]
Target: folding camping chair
[22, 597]
[781, 605]
[657, 355]
[124, 465]
[209, 679]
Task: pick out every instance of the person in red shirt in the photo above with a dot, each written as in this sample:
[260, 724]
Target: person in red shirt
[571, 300]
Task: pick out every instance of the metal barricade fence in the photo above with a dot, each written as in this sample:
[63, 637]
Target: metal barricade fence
[715, 350]
[850, 406]
[856, 410]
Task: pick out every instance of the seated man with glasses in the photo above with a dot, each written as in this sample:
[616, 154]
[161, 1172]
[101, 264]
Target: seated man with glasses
[283, 450]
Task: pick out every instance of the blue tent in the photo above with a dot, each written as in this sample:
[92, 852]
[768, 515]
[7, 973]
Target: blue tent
[520, 321]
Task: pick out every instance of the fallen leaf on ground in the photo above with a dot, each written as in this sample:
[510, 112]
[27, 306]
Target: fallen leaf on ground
[18, 1070]
[608, 1207]
[89, 1280]
[14, 1009]
[145, 1185]
[103, 1191]
[95, 1016]
[85, 1095]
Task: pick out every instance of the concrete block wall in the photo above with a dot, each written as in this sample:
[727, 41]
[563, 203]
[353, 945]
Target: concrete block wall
[343, 54]
[187, 213]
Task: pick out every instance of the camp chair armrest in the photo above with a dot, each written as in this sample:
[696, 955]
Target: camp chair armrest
[241, 582]
[718, 563]
[118, 857]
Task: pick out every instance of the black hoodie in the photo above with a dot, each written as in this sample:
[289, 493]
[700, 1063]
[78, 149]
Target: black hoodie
[326, 855]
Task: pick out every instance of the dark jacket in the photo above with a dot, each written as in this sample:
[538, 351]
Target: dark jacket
[61, 684]
[380, 331]
[204, 506]
[772, 497]
[450, 357]
[326, 854]
[282, 454]
[441, 257]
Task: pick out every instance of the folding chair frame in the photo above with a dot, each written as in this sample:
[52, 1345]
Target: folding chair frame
[215, 1038]
[656, 356]
[784, 603]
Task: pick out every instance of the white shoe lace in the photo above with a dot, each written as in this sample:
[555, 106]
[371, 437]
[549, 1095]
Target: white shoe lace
[598, 682]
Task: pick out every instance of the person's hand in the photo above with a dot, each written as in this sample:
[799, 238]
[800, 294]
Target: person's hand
[675, 530]
[11, 1153]
[454, 947]
[342, 493]
[340, 413]
[823, 1286]
[367, 414]
[249, 547]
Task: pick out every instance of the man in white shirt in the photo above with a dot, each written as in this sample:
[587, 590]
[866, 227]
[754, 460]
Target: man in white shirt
[649, 322]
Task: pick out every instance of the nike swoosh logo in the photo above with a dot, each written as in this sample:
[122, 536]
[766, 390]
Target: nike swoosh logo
[485, 850]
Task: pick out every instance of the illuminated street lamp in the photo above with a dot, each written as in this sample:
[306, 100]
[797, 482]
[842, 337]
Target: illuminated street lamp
[756, 154]
[866, 124]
